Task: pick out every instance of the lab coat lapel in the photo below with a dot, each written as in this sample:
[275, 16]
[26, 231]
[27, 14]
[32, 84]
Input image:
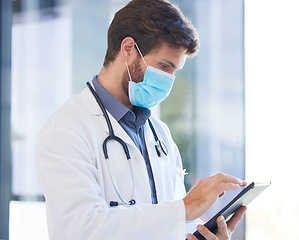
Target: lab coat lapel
[94, 109]
[90, 103]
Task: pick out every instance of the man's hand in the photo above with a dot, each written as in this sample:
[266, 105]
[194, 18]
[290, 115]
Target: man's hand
[224, 230]
[205, 193]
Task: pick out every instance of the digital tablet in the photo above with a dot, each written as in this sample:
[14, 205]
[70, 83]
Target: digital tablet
[242, 199]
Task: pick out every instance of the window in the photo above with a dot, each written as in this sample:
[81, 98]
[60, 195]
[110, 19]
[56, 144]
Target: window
[5, 146]
[205, 110]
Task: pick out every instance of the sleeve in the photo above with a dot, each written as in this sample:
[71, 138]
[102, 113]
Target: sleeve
[76, 208]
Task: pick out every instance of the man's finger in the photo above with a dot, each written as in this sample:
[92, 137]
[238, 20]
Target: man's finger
[223, 232]
[191, 237]
[224, 178]
[228, 186]
[206, 233]
[233, 222]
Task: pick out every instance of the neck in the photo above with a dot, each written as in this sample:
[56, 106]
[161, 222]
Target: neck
[111, 78]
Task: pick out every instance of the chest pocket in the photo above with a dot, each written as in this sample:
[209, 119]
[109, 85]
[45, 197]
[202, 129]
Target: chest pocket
[179, 176]
[169, 179]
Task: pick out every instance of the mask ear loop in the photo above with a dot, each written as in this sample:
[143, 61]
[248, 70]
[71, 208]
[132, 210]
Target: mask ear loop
[128, 71]
[140, 54]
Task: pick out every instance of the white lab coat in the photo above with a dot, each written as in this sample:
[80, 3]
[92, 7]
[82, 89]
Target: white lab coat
[75, 180]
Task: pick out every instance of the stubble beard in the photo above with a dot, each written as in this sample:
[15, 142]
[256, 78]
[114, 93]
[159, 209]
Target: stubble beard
[136, 75]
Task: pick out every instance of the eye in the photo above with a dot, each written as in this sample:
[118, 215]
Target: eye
[164, 66]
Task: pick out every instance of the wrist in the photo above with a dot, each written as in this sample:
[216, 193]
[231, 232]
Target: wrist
[187, 210]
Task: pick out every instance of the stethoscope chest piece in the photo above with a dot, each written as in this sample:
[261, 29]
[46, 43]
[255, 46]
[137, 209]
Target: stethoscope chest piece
[161, 148]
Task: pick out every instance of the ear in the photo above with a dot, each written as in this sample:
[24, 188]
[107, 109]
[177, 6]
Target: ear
[127, 49]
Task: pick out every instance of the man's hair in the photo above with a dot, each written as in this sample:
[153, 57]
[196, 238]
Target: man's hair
[151, 23]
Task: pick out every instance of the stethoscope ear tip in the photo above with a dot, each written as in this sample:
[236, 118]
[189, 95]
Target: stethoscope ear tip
[113, 204]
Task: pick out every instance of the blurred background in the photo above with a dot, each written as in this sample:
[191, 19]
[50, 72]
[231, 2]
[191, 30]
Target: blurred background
[233, 109]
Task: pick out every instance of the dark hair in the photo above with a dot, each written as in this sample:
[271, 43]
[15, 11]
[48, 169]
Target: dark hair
[151, 23]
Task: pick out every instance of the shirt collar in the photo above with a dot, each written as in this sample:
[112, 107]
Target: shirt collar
[116, 108]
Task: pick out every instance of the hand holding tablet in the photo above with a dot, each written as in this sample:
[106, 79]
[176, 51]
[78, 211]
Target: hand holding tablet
[205, 193]
[242, 199]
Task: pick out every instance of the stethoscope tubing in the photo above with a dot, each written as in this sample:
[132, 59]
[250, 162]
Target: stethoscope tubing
[110, 137]
[111, 132]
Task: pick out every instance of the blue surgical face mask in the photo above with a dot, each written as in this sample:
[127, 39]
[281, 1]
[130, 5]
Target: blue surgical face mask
[154, 88]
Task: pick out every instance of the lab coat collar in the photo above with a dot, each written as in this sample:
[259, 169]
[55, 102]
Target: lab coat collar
[117, 109]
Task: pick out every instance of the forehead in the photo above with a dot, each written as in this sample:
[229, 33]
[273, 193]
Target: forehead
[165, 52]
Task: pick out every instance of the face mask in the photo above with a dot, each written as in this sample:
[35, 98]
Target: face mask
[154, 88]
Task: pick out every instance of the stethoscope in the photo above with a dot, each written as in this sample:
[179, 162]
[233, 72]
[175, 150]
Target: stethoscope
[159, 146]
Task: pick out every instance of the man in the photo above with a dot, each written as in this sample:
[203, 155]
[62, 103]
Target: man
[113, 171]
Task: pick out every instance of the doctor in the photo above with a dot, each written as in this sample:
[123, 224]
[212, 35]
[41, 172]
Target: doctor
[131, 184]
